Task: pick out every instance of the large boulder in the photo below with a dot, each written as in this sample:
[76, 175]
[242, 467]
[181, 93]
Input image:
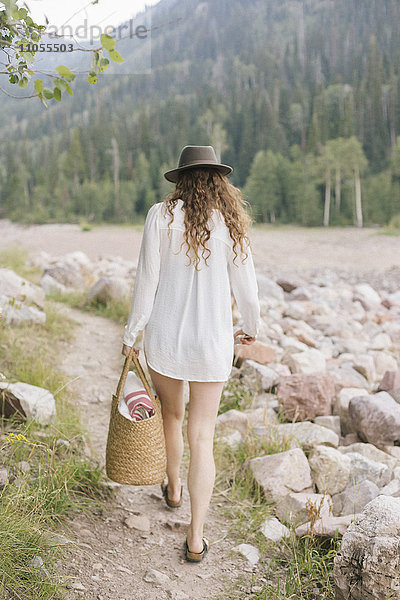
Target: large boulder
[283, 473]
[376, 419]
[32, 401]
[362, 468]
[16, 312]
[15, 287]
[257, 351]
[298, 508]
[330, 469]
[108, 289]
[341, 407]
[306, 396]
[367, 566]
[308, 362]
[352, 500]
[307, 434]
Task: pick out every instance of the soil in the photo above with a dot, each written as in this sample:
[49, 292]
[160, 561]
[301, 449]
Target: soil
[108, 560]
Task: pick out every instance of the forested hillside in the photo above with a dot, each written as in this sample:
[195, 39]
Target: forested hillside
[301, 97]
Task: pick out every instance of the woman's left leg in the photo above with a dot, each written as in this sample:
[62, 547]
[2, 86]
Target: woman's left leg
[170, 392]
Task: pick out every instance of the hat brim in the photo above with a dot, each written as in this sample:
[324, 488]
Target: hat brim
[172, 175]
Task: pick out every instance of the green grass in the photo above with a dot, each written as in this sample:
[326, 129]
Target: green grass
[16, 258]
[116, 310]
[60, 480]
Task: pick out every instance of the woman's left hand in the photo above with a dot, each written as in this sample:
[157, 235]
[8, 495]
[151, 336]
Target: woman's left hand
[126, 350]
[244, 338]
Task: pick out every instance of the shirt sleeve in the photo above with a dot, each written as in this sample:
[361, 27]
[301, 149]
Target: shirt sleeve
[244, 286]
[147, 277]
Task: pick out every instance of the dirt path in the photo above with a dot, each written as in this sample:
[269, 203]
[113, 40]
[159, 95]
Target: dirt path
[111, 560]
[283, 249]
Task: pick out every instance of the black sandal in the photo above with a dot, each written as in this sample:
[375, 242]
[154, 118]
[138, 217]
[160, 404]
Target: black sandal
[196, 556]
[171, 503]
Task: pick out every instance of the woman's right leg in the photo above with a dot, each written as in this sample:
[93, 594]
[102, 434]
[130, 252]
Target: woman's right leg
[203, 409]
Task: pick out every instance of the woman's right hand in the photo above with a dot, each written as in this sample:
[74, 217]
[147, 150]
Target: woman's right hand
[126, 350]
[245, 339]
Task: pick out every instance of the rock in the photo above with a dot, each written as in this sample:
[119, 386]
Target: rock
[330, 422]
[233, 439]
[49, 284]
[376, 419]
[257, 351]
[308, 434]
[390, 381]
[14, 286]
[269, 376]
[139, 522]
[364, 468]
[248, 551]
[354, 498]
[341, 408]
[15, 312]
[392, 488]
[273, 530]
[381, 341]
[35, 402]
[373, 453]
[3, 478]
[280, 474]
[307, 362]
[269, 290]
[367, 566]
[154, 576]
[347, 377]
[368, 297]
[364, 364]
[232, 419]
[69, 276]
[23, 466]
[306, 396]
[288, 285]
[297, 508]
[330, 469]
[76, 585]
[109, 289]
[328, 527]
[297, 310]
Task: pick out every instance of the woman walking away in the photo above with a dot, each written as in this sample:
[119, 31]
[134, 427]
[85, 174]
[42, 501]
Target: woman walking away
[194, 252]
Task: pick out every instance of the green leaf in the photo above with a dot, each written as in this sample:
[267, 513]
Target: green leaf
[38, 85]
[115, 56]
[107, 42]
[61, 84]
[69, 90]
[104, 62]
[64, 71]
[92, 79]
[22, 13]
[23, 83]
[35, 36]
[47, 93]
[57, 94]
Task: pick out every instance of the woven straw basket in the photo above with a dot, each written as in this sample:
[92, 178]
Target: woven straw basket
[135, 452]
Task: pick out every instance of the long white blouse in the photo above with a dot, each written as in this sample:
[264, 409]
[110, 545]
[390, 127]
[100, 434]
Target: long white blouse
[186, 315]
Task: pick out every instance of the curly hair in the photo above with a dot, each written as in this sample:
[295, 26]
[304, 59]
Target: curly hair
[201, 190]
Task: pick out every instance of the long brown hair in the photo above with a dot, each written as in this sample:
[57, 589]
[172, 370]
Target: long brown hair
[201, 190]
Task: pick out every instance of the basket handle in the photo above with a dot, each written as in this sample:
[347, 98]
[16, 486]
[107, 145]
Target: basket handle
[133, 357]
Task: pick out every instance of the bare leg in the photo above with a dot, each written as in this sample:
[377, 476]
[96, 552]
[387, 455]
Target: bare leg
[170, 392]
[203, 410]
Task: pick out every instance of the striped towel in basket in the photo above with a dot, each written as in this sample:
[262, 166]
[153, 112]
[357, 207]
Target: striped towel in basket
[135, 403]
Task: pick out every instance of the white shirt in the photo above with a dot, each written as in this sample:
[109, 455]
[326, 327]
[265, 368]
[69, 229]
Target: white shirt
[186, 314]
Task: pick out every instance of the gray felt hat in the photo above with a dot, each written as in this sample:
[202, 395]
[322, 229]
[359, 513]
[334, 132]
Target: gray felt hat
[197, 156]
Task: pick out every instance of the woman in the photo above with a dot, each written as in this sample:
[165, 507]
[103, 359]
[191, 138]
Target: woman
[182, 301]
